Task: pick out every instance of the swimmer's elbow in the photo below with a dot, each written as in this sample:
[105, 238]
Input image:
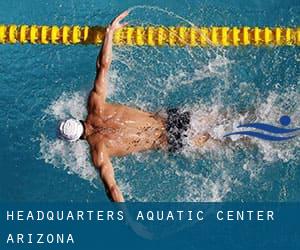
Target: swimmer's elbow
[105, 63]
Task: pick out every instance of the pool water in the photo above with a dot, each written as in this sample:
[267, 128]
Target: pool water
[43, 84]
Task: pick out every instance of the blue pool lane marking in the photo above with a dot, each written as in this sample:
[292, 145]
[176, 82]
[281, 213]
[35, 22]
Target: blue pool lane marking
[284, 121]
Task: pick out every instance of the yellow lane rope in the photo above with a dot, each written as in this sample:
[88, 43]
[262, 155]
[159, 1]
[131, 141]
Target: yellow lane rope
[152, 35]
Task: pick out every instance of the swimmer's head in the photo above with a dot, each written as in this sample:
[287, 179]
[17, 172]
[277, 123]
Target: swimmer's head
[70, 130]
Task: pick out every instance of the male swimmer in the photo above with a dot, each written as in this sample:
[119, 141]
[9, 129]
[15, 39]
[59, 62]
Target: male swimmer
[117, 130]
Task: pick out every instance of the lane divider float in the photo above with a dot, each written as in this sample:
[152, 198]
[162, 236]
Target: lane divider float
[152, 35]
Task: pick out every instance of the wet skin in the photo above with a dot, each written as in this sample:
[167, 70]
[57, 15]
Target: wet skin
[112, 129]
[118, 130]
[123, 130]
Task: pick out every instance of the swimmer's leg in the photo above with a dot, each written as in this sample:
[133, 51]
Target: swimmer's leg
[203, 138]
[200, 140]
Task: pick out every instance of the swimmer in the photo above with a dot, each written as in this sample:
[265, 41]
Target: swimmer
[114, 130]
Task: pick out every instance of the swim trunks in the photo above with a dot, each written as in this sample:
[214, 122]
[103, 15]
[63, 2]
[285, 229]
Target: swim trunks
[177, 125]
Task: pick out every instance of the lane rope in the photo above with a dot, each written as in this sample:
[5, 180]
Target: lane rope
[152, 35]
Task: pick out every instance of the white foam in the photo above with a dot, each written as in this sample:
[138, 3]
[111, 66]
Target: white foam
[68, 105]
[174, 182]
[214, 118]
[216, 121]
[72, 157]
[200, 188]
[271, 110]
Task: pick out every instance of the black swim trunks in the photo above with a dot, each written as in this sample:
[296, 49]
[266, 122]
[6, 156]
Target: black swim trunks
[177, 125]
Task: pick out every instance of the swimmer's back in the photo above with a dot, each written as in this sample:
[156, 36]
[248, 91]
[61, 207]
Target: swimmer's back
[126, 130]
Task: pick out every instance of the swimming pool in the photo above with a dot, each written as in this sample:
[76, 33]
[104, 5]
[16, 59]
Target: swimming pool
[42, 84]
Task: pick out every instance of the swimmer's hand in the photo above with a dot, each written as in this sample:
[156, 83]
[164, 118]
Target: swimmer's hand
[105, 57]
[115, 24]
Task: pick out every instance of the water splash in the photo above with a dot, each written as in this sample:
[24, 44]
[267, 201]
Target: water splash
[215, 85]
[192, 185]
[74, 158]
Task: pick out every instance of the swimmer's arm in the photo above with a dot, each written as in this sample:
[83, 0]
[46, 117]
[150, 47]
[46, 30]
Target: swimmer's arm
[105, 56]
[103, 164]
[102, 65]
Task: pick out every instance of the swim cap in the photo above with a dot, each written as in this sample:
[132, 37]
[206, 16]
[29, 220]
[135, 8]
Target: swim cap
[70, 129]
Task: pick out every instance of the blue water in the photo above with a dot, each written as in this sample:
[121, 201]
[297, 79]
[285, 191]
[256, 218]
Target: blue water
[42, 84]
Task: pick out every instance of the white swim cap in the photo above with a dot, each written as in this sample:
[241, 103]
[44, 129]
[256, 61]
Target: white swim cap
[70, 130]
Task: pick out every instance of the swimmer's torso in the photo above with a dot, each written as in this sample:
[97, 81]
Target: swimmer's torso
[124, 130]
